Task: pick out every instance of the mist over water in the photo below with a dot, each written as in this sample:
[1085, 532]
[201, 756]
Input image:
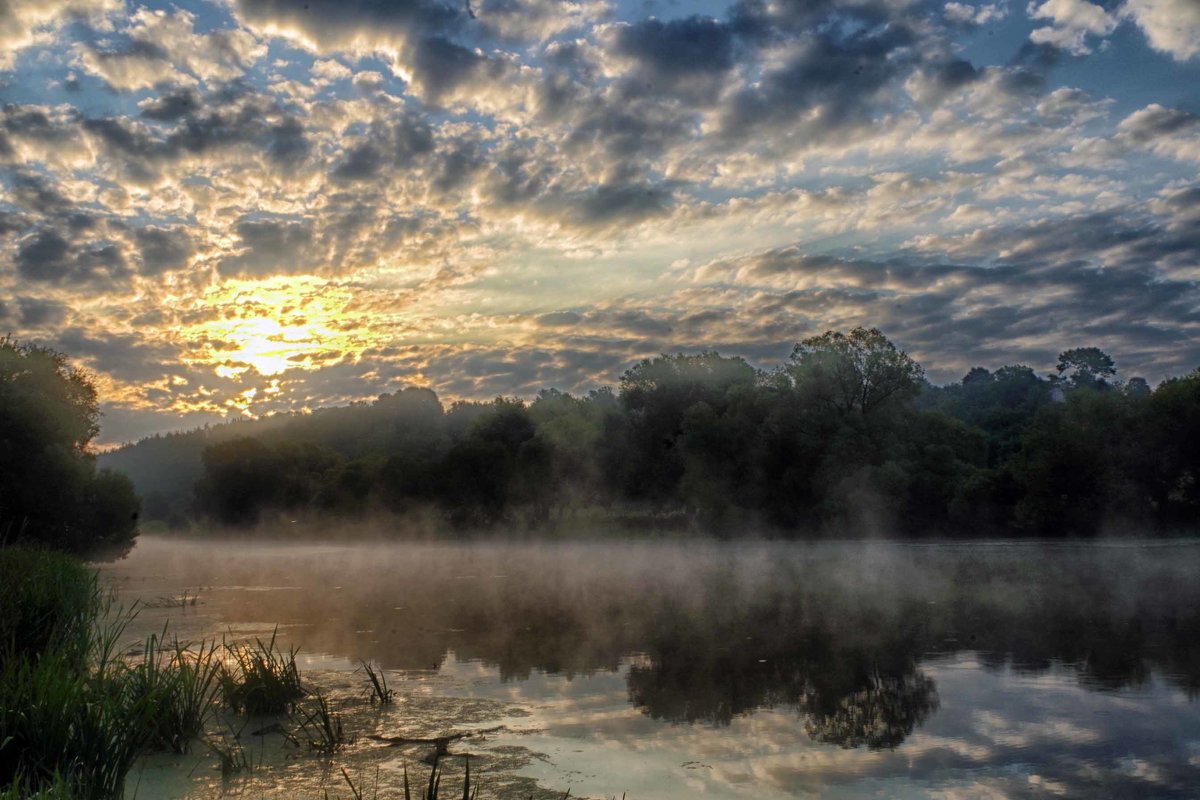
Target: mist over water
[776, 669]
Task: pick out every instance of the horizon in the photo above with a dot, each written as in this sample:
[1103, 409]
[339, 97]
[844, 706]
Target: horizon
[228, 210]
[447, 404]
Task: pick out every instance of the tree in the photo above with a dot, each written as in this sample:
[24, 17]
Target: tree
[977, 376]
[1086, 367]
[50, 490]
[656, 395]
[860, 371]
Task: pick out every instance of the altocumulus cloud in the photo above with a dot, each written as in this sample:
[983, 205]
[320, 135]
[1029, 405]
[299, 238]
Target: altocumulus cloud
[256, 206]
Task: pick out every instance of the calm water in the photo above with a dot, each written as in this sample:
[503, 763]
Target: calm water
[733, 670]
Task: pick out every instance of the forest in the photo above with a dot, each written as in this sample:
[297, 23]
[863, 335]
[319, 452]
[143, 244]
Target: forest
[847, 438]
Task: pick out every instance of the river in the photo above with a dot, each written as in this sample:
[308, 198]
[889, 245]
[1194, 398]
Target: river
[672, 668]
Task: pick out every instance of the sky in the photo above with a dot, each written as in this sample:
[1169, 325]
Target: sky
[234, 208]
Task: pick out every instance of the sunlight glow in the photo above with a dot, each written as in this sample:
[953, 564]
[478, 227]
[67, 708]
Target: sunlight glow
[273, 327]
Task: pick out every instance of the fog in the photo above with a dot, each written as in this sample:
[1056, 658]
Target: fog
[1113, 611]
[865, 647]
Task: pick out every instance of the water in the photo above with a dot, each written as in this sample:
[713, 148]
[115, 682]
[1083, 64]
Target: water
[733, 670]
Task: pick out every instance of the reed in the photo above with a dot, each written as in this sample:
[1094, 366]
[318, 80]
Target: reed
[434, 787]
[231, 756]
[380, 693]
[180, 683]
[263, 680]
[50, 601]
[320, 725]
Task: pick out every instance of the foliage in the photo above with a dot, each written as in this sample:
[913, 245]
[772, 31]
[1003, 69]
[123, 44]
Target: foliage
[50, 601]
[860, 371]
[847, 437]
[50, 490]
[181, 682]
[320, 725]
[263, 680]
[380, 693]
[67, 715]
[1086, 367]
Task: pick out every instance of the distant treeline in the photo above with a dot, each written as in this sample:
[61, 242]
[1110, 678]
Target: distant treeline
[846, 438]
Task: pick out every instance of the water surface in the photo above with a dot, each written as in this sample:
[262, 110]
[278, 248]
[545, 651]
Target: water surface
[674, 668]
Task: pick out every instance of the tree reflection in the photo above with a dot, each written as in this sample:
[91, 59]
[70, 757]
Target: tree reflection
[879, 715]
[716, 661]
[838, 634]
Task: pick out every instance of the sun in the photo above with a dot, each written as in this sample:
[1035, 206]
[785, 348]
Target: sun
[270, 347]
[272, 327]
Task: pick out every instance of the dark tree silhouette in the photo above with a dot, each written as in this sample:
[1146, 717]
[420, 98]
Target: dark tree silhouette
[50, 490]
[856, 371]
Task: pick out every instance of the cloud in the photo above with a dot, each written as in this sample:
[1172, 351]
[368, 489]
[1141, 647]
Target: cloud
[828, 85]
[46, 256]
[271, 247]
[1172, 26]
[490, 194]
[1072, 22]
[163, 249]
[967, 14]
[183, 124]
[420, 38]
[689, 57]
[160, 47]
[38, 312]
[397, 143]
[535, 20]
[26, 23]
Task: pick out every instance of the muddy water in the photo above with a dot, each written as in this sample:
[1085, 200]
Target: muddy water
[672, 669]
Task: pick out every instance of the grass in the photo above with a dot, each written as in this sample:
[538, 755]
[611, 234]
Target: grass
[50, 602]
[264, 680]
[67, 715]
[320, 726]
[380, 693]
[434, 787]
[231, 756]
[57, 789]
[182, 684]
[74, 716]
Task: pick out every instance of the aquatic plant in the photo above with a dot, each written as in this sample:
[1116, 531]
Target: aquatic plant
[434, 787]
[264, 680]
[380, 693]
[320, 725]
[355, 791]
[180, 684]
[66, 717]
[57, 789]
[231, 756]
[59, 720]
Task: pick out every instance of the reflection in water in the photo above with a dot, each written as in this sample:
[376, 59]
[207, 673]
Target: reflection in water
[859, 645]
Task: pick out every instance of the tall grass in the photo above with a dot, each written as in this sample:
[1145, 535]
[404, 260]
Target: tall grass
[380, 693]
[74, 716]
[57, 789]
[320, 725]
[50, 601]
[263, 680]
[66, 718]
[433, 789]
[181, 684]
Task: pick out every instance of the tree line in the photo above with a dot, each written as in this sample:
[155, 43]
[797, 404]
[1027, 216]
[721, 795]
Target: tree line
[846, 438]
